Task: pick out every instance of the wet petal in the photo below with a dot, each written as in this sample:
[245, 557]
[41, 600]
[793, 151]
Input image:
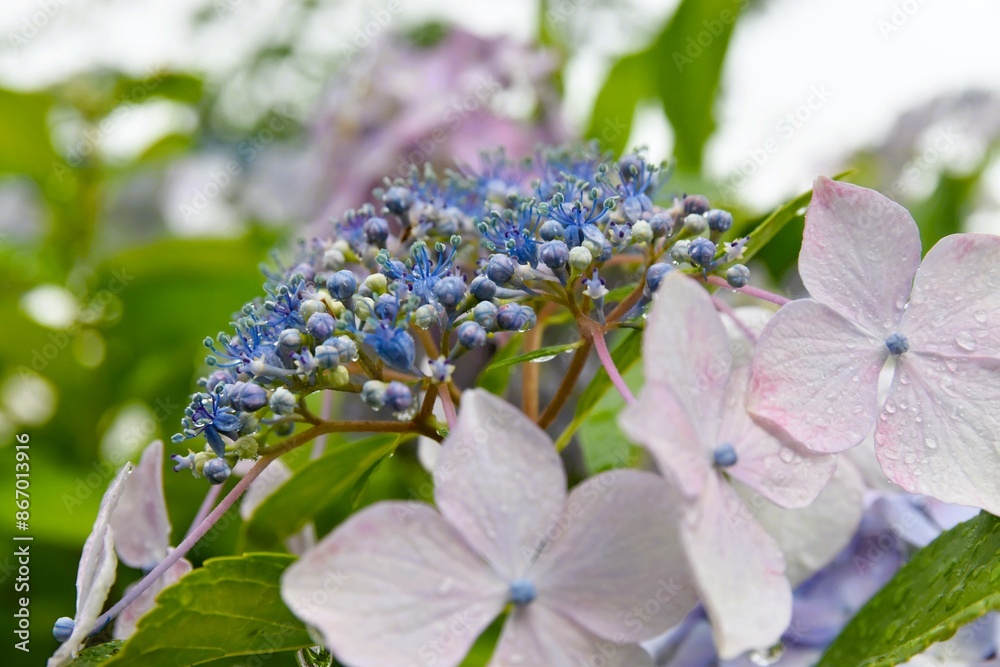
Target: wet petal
[740, 571]
[812, 536]
[395, 585]
[681, 449]
[686, 348]
[815, 377]
[614, 562]
[126, 621]
[860, 251]
[778, 471]
[955, 306]
[535, 635]
[499, 481]
[95, 574]
[140, 522]
[938, 431]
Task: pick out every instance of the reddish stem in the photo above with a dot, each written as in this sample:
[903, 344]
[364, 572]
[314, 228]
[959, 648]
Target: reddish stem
[609, 365]
[750, 290]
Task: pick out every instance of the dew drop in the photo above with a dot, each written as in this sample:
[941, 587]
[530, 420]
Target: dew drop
[981, 316]
[542, 360]
[966, 341]
[890, 407]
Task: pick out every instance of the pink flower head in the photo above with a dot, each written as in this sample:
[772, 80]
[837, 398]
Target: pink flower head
[587, 575]
[736, 477]
[142, 534]
[815, 374]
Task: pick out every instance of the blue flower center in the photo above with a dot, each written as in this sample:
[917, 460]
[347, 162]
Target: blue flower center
[724, 456]
[897, 344]
[522, 592]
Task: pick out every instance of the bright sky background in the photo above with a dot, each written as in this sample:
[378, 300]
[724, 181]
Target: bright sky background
[778, 56]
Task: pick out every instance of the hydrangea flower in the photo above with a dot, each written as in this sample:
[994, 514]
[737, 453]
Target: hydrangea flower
[815, 376]
[142, 534]
[587, 574]
[94, 577]
[733, 474]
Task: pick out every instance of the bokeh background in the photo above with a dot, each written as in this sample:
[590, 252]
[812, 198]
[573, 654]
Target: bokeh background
[153, 152]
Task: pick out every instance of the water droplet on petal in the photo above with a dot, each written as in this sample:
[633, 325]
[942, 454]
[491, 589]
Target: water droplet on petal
[966, 341]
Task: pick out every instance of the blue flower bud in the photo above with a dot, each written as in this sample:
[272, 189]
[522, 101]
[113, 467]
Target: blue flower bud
[376, 231]
[290, 339]
[655, 275]
[326, 356]
[342, 285]
[471, 334]
[247, 396]
[283, 402]
[483, 288]
[719, 220]
[226, 422]
[500, 269]
[450, 291]
[522, 592]
[63, 628]
[394, 346]
[347, 349]
[695, 223]
[551, 230]
[425, 316]
[305, 270]
[398, 199]
[387, 307]
[321, 326]
[398, 397]
[695, 204]
[738, 275]
[554, 254]
[514, 317]
[216, 471]
[701, 251]
[897, 344]
[216, 378]
[485, 315]
[661, 225]
[724, 456]
[373, 394]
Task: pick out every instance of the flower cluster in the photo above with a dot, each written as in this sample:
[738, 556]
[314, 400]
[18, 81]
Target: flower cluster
[440, 263]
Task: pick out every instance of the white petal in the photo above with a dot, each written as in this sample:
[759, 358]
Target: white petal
[686, 347]
[780, 472]
[127, 619]
[535, 636]
[395, 585]
[859, 254]
[140, 522]
[955, 306]
[812, 536]
[740, 571]
[939, 429]
[815, 377]
[96, 573]
[615, 563]
[499, 481]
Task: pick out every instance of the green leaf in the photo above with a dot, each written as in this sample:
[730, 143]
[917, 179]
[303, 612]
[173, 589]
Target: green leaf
[495, 380]
[625, 354]
[951, 582]
[689, 54]
[629, 81]
[232, 606]
[315, 486]
[97, 655]
[544, 353]
[25, 147]
[602, 442]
